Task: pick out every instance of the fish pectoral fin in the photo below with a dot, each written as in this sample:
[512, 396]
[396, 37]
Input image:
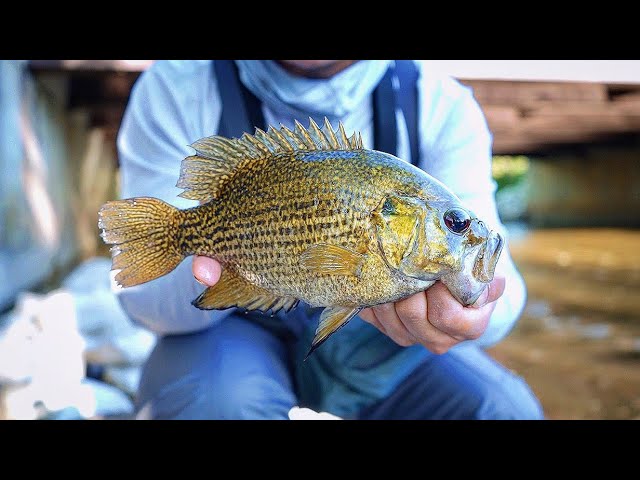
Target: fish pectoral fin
[234, 291]
[331, 320]
[325, 259]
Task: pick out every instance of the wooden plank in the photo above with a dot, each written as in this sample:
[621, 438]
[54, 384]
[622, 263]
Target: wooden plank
[91, 65]
[523, 142]
[497, 92]
[617, 89]
[96, 89]
[516, 145]
[628, 103]
[629, 106]
[541, 126]
[501, 117]
[527, 117]
[105, 115]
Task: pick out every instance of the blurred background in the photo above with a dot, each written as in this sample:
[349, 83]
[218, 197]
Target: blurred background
[567, 164]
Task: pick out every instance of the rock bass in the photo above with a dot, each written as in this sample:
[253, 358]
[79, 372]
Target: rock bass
[305, 215]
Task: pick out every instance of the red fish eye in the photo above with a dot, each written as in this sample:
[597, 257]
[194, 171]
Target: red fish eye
[457, 220]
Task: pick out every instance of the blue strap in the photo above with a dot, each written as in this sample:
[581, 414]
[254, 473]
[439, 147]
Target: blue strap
[385, 128]
[385, 100]
[241, 109]
[407, 74]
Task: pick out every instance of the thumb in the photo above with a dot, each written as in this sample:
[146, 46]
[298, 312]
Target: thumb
[206, 270]
[491, 293]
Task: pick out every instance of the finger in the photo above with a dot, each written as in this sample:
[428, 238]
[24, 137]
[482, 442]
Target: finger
[394, 328]
[447, 314]
[206, 270]
[494, 291]
[413, 313]
[368, 316]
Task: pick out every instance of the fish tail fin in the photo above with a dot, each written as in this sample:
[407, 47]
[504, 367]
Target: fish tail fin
[144, 235]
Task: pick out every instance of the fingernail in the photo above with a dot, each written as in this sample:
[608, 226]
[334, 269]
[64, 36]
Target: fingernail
[200, 281]
[482, 299]
[203, 276]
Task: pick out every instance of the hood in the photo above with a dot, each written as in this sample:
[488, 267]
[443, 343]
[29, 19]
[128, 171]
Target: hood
[299, 97]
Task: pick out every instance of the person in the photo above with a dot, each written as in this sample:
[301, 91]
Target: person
[422, 357]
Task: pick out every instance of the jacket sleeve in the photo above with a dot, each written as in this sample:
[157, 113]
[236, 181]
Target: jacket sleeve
[162, 118]
[456, 149]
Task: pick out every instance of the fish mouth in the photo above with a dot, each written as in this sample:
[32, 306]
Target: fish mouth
[487, 258]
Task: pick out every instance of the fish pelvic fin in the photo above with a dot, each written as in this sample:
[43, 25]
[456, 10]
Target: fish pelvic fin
[218, 158]
[331, 320]
[143, 232]
[234, 291]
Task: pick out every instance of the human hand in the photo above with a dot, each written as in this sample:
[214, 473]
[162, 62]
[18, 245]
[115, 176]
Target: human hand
[206, 270]
[434, 318]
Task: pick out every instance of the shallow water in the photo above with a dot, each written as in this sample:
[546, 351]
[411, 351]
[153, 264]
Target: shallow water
[578, 341]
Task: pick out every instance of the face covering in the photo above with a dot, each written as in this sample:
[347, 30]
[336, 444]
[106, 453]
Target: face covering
[298, 97]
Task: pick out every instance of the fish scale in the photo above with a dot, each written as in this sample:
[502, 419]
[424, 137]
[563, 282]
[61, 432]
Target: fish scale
[308, 214]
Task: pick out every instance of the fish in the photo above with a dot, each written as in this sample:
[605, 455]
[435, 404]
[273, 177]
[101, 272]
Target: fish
[307, 215]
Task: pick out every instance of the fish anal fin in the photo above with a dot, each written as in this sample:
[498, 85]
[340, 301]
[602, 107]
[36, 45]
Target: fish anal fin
[331, 320]
[234, 291]
[326, 259]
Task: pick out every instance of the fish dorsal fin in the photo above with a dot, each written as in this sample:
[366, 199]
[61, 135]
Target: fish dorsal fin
[218, 158]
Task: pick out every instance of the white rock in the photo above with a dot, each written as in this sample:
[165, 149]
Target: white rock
[89, 399]
[90, 275]
[298, 413]
[112, 338]
[47, 339]
[42, 341]
[110, 401]
[126, 379]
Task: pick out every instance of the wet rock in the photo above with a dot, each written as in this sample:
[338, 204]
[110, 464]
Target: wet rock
[90, 275]
[512, 202]
[46, 341]
[87, 399]
[41, 341]
[298, 413]
[553, 323]
[125, 378]
[596, 331]
[110, 401]
[538, 309]
[112, 339]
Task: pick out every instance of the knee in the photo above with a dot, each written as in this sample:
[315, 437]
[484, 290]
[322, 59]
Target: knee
[254, 397]
[510, 399]
[249, 398]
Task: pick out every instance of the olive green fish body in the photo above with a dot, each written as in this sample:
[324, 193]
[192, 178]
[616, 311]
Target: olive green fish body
[307, 215]
[276, 210]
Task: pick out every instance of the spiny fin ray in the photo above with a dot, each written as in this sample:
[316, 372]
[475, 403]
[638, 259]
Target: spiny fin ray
[218, 158]
[332, 319]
